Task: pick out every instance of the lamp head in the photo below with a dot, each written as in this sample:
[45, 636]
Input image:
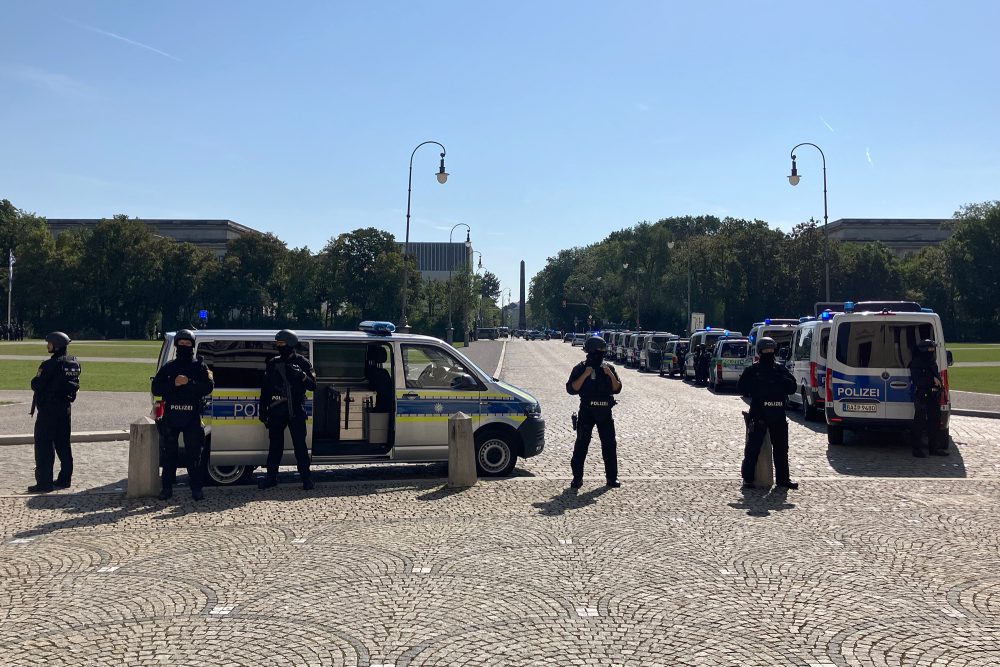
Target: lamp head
[793, 178]
[442, 175]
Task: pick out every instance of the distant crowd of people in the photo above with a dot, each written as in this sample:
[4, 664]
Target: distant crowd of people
[11, 332]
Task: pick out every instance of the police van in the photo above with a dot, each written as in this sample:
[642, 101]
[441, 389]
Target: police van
[729, 359]
[651, 353]
[708, 337]
[348, 421]
[780, 330]
[808, 363]
[868, 383]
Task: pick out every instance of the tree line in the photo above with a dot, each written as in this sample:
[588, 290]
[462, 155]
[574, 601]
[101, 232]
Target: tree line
[742, 271]
[88, 281]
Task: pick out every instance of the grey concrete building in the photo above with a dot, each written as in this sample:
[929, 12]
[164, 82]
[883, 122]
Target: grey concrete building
[903, 236]
[212, 235]
[436, 260]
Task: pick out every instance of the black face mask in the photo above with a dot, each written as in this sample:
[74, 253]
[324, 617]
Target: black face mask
[767, 359]
[185, 353]
[285, 351]
[595, 358]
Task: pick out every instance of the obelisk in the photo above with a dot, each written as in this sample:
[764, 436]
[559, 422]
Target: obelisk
[521, 321]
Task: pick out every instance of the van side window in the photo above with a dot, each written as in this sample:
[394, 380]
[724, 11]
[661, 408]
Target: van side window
[803, 345]
[428, 367]
[239, 364]
[824, 343]
[876, 344]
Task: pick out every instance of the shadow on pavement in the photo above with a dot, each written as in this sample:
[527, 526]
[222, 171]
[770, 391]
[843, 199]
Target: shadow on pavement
[761, 502]
[569, 499]
[86, 510]
[890, 455]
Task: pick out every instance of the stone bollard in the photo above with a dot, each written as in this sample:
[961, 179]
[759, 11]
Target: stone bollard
[763, 477]
[461, 452]
[143, 459]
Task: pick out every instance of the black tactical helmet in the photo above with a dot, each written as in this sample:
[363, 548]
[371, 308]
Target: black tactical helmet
[58, 339]
[184, 334]
[595, 344]
[290, 338]
[926, 345]
[766, 346]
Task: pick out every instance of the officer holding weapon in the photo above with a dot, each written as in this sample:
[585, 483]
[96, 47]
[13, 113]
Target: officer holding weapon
[927, 389]
[282, 405]
[55, 386]
[768, 385]
[596, 383]
[183, 383]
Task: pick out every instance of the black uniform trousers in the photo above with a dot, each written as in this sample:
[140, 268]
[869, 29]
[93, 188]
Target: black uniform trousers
[296, 425]
[194, 443]
[586, 420]
[778, 428]
[52, 429]
[927, 427]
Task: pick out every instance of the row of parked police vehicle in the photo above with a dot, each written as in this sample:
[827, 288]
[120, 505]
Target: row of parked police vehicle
[850, 360]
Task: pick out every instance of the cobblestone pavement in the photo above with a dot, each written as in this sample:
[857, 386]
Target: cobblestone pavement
[879, 560]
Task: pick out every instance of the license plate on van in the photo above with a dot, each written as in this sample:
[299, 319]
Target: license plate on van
[860, 407]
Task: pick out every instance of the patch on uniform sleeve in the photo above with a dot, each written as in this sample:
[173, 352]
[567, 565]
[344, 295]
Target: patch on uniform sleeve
[210, 375]
[39, 373]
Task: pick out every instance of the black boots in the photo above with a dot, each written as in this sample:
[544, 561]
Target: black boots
[41, 488]
[576, 483]
[266, 483]
[166, 493]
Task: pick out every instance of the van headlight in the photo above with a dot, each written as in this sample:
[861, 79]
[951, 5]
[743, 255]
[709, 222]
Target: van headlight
[533, 410]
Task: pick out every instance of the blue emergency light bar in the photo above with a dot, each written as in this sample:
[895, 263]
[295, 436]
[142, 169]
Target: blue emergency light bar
[848, 306]
[826, 316]
[377, 328]
[806, 318]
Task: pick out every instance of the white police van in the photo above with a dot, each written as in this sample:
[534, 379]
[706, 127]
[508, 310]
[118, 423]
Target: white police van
[708, 337]
[808, 363]
[779, 330]
[348, 422]
[868, 383]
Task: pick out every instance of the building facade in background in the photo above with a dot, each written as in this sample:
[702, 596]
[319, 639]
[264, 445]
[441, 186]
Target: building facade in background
[211, 235]
[437, 260]
[902, 236]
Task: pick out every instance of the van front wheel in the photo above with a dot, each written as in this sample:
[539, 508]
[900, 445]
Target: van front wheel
[496, 453]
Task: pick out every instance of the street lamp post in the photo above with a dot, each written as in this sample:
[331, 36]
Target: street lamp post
[480, 318]
[442, 177]
[468, 244]
[670, 245]
[793, 178]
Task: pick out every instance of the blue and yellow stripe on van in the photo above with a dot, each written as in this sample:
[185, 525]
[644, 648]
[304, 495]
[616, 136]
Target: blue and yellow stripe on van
[440, 405]
[241, 407]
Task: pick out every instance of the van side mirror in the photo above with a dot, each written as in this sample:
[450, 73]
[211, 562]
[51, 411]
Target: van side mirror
[464, 381]
[951, 358]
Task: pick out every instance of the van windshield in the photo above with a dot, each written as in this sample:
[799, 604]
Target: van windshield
[879, 344]
[734, 350]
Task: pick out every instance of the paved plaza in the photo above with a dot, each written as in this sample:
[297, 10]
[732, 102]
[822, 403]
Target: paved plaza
[879, 560]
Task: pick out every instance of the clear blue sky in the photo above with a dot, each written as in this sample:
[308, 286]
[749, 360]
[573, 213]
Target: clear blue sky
[563, 120]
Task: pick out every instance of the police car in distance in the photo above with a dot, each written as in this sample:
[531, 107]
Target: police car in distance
[672, 359]
[652, 350]
[708, 337]
[348, 421]
[807, 363]
[868, 384]
[779, 329]
[729, 359]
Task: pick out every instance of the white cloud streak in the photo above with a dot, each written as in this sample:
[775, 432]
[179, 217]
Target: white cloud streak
[828, 126]
[53, 82]
[868, 155]
[120, 38]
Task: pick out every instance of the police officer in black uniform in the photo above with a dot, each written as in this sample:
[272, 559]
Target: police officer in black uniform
[55, 385]
[596, 383]
[768, 385]
[282, 405]
[927, 388]
[702, 360]
[183, 384]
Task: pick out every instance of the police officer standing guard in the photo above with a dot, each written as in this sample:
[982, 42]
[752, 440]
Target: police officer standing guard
[183, 384]
[596, 383]
[282, 404]
[927, 388]
[768, 385]
[55, 386]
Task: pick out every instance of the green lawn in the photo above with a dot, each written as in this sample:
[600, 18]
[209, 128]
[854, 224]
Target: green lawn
[117, 350]
[993, 354]
[106, 376]
[985, 379]
[959, 346]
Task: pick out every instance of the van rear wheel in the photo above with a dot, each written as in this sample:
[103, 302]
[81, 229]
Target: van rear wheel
[496, 453]
[809, 412]
[835, 434]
